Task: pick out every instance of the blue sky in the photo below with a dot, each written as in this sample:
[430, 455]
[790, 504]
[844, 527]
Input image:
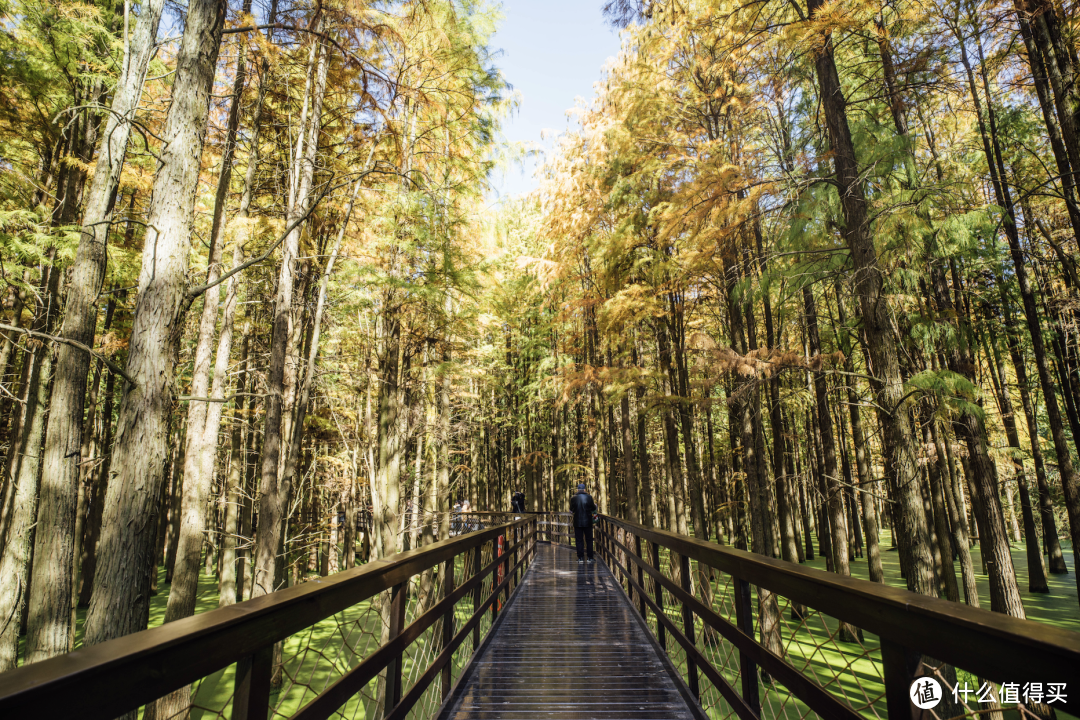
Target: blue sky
[552, 52]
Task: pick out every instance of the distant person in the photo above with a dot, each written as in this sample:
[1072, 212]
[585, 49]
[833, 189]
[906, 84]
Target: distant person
[517, 502]
[583, 507]
[469, 524]
[455, 519]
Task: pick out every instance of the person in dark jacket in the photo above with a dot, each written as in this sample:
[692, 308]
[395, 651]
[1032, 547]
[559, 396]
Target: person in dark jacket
[583, 507]
[517, 502]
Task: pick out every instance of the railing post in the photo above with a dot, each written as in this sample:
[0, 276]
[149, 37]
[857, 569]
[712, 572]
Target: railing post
[899, 666]
[251, 699]
[447, 624]
[398, 595]
[658, 596]
[611, 537]
[640, 576]
[744, 617]
[496, 574]
[517, 541]
[476, 596]
[506, 569]
[688, 625]
[602, 540]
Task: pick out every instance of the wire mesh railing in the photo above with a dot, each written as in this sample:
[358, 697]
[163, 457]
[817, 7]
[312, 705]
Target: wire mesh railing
[553, 527]
[384, 641]
[754, 637]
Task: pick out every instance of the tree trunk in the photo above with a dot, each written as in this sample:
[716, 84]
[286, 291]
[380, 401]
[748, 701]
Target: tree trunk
[1069, 479]
[899, 438]
[961, 542]
[941, 520]
[1055, 558]
[49, 633]
[1036, 571]
[17, 549]
[229, 589]
[272, 499]
[98, 485]
[204, 409]
[833, 499]
[671, 435]
[648, 502]
[120, 603]
[681, 381]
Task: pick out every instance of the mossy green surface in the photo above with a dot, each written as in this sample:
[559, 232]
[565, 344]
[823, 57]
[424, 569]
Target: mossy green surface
[1059, 607]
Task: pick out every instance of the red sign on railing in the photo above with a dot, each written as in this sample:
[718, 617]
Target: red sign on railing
[499, 553]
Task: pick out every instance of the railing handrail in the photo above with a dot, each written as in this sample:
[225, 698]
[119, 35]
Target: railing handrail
[992, 645]
[156, 661]
[509, 512]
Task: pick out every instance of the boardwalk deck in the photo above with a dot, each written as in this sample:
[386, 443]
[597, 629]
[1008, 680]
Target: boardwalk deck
[569, 647]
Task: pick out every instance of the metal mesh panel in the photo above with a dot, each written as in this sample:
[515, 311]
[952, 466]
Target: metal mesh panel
[843, 660]
[310, 661]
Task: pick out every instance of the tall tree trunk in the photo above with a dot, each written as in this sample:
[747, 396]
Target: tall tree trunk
[50, 633]
[272, 498]
[681, 381]
[648, 502]
[1069, 479]
[941, 520]
[834, 501]
[1004, 592]
[633, 511]
[120, 603]
[960, 541]
[868, 487]
[98, 487]
[385, 495]
[1055, 558]
[1036, 571]
[671, 435]
[17, 549]
[205, 405]
[899, 438]
[229, 589]
[91, 435]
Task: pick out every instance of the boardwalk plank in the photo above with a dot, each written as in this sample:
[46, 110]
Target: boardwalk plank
[569, 648]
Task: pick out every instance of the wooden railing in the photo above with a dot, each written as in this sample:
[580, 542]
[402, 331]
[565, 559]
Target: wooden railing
[699, 600]
[112, 678]
[552, 527]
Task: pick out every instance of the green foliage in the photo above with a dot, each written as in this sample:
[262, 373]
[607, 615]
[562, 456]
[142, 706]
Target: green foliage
[954, 394]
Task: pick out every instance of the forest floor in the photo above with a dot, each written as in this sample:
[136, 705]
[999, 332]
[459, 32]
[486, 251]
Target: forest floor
[1060, 607]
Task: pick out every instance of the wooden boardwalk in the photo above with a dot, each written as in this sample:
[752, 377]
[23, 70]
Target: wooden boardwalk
[569, 647]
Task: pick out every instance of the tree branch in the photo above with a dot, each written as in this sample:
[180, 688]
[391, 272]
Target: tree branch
[197, 291]
[113, 367]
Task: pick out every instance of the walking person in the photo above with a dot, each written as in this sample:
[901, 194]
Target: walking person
[583, 507]
[517, 502]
